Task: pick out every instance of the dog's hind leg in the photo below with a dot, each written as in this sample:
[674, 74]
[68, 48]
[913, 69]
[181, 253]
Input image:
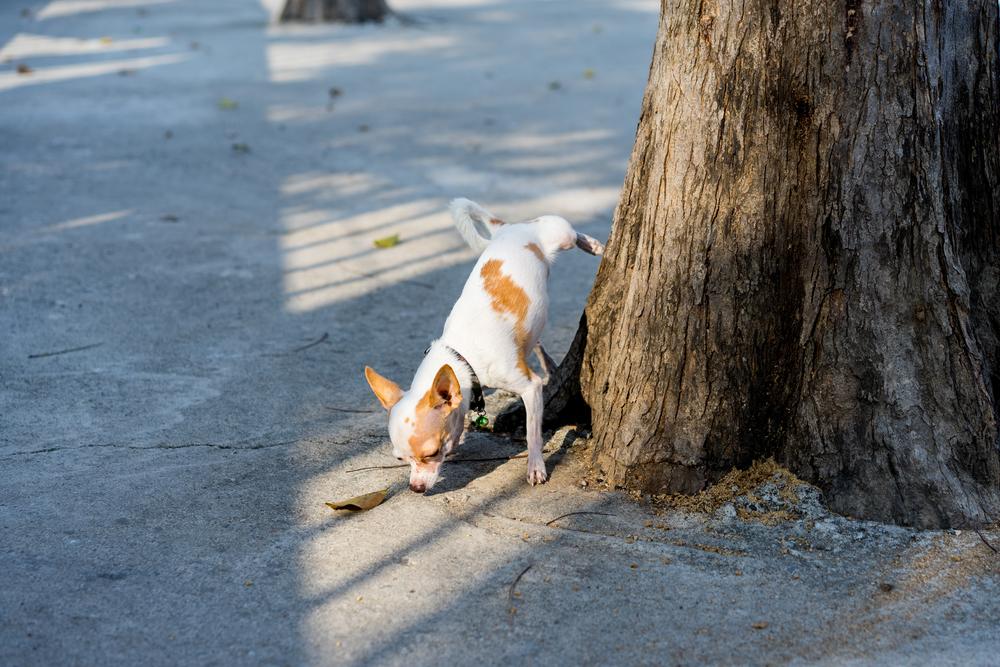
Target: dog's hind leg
[547, 363]
[533, 405]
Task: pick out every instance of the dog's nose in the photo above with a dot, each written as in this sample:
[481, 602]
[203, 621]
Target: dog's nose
[418, 487]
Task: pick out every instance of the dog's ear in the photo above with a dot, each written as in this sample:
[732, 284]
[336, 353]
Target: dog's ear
[387, 391]
[445, 390]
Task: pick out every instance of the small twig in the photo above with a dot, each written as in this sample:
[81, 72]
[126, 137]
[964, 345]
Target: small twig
[510, 593]
[407, 465]
[321, 339]
[985, 541]
[489, 458]
[549, 523]
[336, 409]
[401, 465]
[72, 349]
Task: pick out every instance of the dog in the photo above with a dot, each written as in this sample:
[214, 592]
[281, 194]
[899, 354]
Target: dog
[495, 324]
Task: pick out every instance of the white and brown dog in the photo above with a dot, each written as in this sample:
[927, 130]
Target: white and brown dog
[495, 324]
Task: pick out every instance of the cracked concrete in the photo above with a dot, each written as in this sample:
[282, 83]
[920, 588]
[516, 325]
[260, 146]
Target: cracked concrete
[191, 195]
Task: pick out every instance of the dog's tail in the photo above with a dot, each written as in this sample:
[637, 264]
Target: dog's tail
[476, 225]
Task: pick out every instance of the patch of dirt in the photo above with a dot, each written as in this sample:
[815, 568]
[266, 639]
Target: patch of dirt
[765, 492]
[946, 565]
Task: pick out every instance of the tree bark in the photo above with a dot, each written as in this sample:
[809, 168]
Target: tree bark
[343, 11]
[803, 261]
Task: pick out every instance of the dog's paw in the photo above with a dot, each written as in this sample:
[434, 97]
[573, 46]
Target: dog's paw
[536, 472]
[589, 244]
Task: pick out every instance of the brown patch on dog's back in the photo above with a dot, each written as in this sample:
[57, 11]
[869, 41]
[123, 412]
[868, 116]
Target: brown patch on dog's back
[508, 297]
[533, 247]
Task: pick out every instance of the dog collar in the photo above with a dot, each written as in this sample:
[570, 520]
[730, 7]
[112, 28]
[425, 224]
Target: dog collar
[477, 402]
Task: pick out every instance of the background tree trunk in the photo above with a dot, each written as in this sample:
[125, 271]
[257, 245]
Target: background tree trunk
[344, 11]
[803, 261]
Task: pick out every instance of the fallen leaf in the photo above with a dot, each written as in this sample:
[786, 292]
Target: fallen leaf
[169, 217]
[589, 73]
[336, 92]
[363, 128]
[363, 502]
[387, 242]
[23, 69]
[241, 148]
[106, 40]
[227, 104]
[554, 85]
[759, 625]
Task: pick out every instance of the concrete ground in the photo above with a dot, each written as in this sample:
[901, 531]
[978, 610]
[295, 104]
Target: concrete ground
[188, 295]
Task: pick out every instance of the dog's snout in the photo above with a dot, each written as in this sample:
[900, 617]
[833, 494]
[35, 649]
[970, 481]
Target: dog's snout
[418, 487]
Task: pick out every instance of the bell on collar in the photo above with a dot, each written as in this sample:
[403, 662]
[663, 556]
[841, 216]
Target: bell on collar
[482, 421]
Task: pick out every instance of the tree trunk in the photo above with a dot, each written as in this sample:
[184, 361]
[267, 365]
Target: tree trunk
[803, 262]
[343, 11]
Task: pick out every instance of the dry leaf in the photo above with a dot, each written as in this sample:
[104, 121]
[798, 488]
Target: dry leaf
[589, 73]
[227, 104]
[387, 242]
[362, 502]
[759, 625]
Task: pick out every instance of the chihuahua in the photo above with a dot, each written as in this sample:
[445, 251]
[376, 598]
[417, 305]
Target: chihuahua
[495, 324]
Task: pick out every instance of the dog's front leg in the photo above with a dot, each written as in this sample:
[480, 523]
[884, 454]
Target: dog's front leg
[533, 406]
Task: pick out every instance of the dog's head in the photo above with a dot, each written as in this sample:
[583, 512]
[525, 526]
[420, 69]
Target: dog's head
[424, 422]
